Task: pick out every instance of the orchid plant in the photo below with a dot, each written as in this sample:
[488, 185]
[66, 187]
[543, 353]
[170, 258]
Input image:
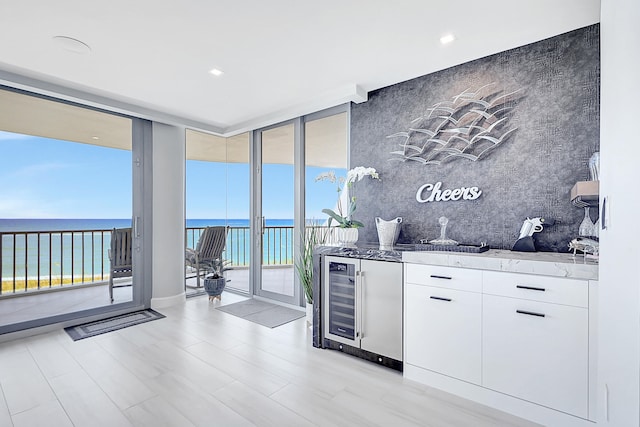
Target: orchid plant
[344, 214]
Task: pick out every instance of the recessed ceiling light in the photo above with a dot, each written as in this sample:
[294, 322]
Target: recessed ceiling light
[216, 72]
[95, 137]
[447, 39]
[72, 45]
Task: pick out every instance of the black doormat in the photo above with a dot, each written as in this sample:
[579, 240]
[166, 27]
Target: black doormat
[262, 312]
[99, 327]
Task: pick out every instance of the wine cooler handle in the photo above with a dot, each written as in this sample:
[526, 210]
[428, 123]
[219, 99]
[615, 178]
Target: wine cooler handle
[361, 311]
[603, 214]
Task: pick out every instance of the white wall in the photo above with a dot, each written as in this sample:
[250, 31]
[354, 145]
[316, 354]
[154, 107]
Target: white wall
[168, 215]
[619, 289]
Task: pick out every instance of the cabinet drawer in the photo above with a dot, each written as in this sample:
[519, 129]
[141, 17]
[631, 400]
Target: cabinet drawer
[555, 290]
[536, 351]
[443, 331]
[462, 279]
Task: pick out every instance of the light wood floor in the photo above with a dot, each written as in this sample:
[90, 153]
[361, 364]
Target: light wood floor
[203, 367]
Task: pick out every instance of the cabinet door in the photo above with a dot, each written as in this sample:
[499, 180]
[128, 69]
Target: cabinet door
[381, 308]
[536, 351]
[443, 331]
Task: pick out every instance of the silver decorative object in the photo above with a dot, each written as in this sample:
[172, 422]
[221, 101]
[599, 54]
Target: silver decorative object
[388, 231]
[586, 228]
[587, 246]
[468, 127]
[443, 221]
[594, 166]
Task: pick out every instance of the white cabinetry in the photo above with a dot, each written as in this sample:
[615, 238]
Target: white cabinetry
[536, 350]
[521, 335]
[443, 322]
[619, 296]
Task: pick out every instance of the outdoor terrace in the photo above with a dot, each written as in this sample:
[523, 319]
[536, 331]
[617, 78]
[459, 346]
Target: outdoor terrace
[68, 270]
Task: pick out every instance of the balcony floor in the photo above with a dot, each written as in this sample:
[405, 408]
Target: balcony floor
[277, 279]
[30, 306]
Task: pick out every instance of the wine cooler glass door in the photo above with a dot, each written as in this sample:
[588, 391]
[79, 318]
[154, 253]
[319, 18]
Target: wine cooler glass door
[341, 295]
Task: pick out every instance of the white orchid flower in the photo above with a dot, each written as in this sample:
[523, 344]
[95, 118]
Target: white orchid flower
[326, 176]
[344, 217]
[356, 174]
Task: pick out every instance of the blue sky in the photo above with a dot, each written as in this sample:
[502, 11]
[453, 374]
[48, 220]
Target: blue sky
[46, 178]
[277, 191]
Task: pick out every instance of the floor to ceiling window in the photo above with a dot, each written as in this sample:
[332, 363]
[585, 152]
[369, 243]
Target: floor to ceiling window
[223, 175]
[217, 195]
[67, 181]
[326, 144]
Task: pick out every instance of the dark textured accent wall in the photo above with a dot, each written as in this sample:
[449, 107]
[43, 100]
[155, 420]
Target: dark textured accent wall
[531, 174]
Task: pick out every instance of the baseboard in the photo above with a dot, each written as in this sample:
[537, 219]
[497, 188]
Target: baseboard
[514, 406]
[160, 303]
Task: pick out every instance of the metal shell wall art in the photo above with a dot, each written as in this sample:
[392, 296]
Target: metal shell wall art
[468, 127]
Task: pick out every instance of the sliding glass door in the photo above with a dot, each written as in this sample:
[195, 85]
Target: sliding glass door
[286, 158]
[70, 177]
[275, 201]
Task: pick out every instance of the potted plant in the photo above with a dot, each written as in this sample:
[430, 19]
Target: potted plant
[215, 282]
[347, 230]
[314, 235]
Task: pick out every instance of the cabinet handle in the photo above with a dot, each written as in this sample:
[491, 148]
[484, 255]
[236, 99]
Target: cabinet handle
[435, 276]
[441, 298]
[530, 288]
[530, 313]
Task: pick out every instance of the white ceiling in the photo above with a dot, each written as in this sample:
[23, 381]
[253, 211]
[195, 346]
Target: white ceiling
[281, 58]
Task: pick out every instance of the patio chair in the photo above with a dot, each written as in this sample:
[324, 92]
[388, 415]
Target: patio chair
[210, 246]
[120, 257]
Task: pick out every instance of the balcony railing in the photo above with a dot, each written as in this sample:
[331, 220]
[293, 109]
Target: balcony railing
[52, 259]
[47, 259]
[277, 246]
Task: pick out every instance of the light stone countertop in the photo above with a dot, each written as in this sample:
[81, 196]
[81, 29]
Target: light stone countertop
[541, 263]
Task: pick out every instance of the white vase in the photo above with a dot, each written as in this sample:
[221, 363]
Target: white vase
[309, 317]
[388, 231]
[346, 236]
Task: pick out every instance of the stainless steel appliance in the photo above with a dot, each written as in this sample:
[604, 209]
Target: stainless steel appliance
[362, 307]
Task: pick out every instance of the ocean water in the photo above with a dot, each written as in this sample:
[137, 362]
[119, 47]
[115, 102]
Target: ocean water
[55, 224]
[42, 248]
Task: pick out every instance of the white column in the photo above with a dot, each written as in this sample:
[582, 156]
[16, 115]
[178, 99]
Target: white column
[168, 215]
[619, 288]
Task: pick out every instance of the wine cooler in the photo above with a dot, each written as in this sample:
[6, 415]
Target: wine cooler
[341, 294]
[362, 307]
